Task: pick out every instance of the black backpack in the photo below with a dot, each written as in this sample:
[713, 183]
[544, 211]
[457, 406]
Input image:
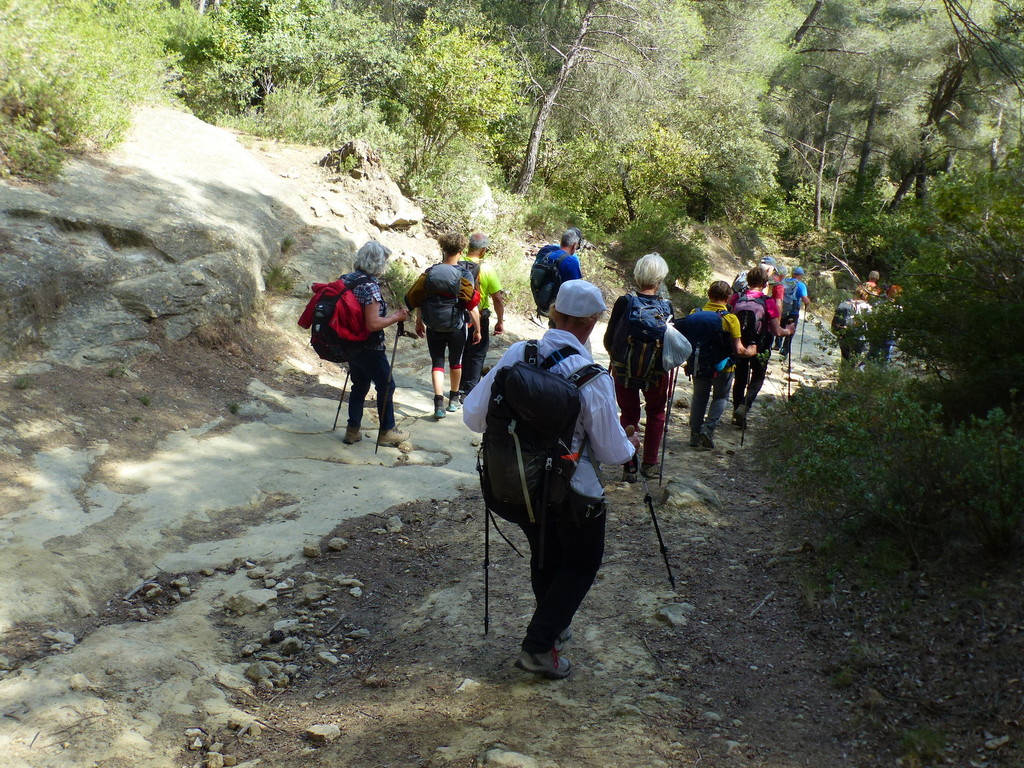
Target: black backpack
[472, 271]
[545, 278]
[755, 325]
[526, 459]
[712, 349]
[441, 310]
[637, 341]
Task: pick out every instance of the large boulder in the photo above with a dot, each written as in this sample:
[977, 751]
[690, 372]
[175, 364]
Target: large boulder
[171, 231]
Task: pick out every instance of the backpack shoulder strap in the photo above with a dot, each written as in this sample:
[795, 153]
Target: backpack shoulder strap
[586, 374]
[560, 259]
[349, 284]
[530, 354]
[558, 356]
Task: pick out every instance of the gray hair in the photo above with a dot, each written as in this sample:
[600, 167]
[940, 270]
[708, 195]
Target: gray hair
[372, 258]
[571, 237]
[478, 241]
[650, 271]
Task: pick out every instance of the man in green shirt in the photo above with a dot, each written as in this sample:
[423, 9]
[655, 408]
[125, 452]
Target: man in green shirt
[490, 295]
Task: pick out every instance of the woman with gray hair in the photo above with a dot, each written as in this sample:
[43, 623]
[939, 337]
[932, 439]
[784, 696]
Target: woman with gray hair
[649, 274]
[370, 363]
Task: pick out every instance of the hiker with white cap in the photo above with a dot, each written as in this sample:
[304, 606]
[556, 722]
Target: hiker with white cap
[566, 533]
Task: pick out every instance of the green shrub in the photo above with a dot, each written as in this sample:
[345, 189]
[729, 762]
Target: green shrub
[279, 280]
[989, 483]
[69, 75]
[670, 234]
[875, 462]
[300, 114]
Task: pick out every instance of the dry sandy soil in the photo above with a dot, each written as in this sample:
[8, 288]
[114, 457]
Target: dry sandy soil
[211, 468]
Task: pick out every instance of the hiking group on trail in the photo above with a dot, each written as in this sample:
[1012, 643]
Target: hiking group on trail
[851, 319]
[549, 415]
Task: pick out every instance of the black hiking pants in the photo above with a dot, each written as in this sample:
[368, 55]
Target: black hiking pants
[750, 375]
[475, 354]
[571, 558]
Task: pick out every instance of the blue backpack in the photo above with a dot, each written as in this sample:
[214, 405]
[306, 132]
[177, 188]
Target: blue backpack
[637, 341]
[790, 301]
[712, 351]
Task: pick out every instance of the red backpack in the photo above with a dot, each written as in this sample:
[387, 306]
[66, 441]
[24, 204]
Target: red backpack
[336, 320]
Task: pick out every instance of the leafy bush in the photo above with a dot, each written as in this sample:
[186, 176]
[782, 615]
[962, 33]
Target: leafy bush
[454, 83]
[670, 234]
[300, 114]
[236, 56]
[873, 460]
[69, 75]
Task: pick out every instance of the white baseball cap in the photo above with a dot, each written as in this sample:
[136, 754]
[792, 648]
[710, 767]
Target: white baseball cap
[578, 298]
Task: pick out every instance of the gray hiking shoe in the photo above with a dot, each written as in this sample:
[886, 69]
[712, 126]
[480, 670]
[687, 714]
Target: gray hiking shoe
[548, 664]
[649, 470]
[706, 443]
[352, 435]
[694, 441]
[564, 638]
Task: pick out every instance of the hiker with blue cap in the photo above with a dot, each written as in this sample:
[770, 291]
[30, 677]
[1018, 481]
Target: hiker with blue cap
[794, 298]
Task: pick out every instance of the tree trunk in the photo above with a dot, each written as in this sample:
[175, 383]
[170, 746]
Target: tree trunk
[822, 155]
[627, 193]
[993, 149]
[812, 14]
[865, 148]
[946, 91]
[569, 61]
[839, 177]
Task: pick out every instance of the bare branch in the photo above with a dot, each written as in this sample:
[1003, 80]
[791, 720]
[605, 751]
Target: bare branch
[832, 50]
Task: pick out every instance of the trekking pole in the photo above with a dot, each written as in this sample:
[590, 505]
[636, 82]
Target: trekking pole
[340, 401]
[649, 500]
[668, 416]
[382, 406]
[807, 316]
[487, 568]
[789, 375]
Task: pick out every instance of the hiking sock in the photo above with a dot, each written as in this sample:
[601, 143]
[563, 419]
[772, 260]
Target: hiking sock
[454, 401]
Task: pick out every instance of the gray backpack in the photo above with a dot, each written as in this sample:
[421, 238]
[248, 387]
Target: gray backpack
[441, 310]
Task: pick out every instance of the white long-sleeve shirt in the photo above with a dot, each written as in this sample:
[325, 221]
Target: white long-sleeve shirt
[599, 413]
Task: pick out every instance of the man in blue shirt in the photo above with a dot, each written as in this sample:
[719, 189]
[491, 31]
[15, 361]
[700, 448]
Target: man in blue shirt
[794, 299]
[569, 268]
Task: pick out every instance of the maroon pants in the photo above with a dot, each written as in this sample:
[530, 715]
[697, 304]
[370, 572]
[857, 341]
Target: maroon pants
[655, 400]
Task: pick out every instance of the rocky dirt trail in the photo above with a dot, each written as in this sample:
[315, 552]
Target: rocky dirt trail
[197, 572]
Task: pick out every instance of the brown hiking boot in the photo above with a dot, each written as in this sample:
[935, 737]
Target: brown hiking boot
[392, 437]
[352, 435]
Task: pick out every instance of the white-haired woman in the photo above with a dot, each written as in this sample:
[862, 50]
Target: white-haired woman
[370, 363]
[649, 275]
